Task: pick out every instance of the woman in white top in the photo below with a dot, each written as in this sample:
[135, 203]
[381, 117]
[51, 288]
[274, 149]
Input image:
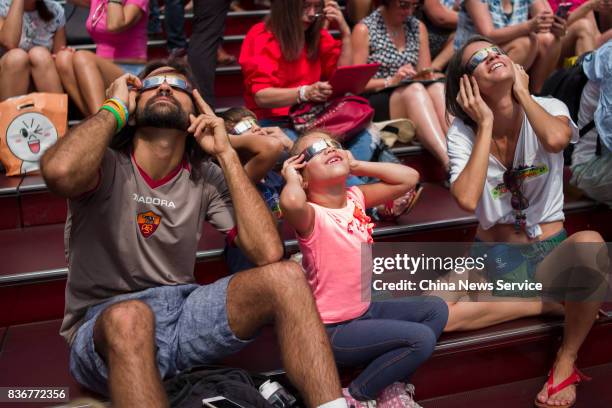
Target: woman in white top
[506, 163]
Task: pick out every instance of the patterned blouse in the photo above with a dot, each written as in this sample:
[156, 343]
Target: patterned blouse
[383, 50]
[465, 25]
[35, 31]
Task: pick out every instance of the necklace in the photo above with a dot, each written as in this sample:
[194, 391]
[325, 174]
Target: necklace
[395, 33]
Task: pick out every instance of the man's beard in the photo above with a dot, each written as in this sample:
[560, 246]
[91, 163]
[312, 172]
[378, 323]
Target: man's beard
[165, 115]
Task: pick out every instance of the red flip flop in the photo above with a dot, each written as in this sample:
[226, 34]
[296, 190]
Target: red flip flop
[575, 377]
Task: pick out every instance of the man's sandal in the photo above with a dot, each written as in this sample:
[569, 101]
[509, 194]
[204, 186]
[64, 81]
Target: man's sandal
[575, 377]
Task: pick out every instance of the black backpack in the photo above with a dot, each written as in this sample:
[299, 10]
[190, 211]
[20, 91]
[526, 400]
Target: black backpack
[187, 389]
[566, 84]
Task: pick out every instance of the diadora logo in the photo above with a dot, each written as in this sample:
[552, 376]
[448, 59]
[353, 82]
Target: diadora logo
[153, 200]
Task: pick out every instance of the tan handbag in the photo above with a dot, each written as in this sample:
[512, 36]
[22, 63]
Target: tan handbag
[29, 125]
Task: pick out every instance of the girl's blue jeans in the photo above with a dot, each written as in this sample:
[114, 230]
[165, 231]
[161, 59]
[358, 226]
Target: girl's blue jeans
[390, 340]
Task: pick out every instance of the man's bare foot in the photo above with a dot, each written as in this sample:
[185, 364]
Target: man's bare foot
[563, 368]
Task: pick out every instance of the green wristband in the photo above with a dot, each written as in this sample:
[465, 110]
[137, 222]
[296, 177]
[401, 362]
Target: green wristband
[112, 110]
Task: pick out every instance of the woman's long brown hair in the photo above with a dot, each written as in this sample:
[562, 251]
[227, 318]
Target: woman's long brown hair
[285, 22]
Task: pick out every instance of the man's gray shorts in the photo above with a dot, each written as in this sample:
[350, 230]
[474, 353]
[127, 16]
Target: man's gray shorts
[191, 328]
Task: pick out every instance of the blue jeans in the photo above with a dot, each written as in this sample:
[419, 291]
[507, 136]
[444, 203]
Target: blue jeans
[174, 22]
[391, 339]
[361, 146]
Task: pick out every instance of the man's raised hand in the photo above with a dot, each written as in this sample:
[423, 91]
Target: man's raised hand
[120, 89]
[208, 129]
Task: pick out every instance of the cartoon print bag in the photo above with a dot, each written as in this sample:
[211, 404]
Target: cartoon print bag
[29, 125]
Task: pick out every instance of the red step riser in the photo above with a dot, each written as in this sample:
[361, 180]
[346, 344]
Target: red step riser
[9, 208]
[45, 300]
[45, 208]
[28, 303]
[42, 301]
[445, 373]
[429, 168]
[598, 220]
[31, 302]
[229, 85]
[42, 208]
[233, 47]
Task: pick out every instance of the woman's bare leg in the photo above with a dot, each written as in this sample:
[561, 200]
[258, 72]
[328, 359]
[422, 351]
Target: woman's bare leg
[65, 67]
[14, 73]
[579, 39]
[549, 51]
[413, 102]
[471, 315]
[523, 50]
[589, 256]
[44, 74]
[436, 93]
[94, 75]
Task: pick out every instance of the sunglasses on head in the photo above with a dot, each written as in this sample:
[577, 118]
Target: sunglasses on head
[243, 126]
[318, 147]
[173, 81]
[481, 55]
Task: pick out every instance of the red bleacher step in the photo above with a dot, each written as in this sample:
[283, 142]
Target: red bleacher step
[591, 394]
[35, 355]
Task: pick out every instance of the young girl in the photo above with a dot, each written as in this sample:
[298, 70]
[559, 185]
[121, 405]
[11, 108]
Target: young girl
[391, 338]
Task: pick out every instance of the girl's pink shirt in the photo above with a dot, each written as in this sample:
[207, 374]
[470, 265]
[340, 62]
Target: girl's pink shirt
[332, 259]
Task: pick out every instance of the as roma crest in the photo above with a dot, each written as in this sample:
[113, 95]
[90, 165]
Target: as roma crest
[148, 223]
